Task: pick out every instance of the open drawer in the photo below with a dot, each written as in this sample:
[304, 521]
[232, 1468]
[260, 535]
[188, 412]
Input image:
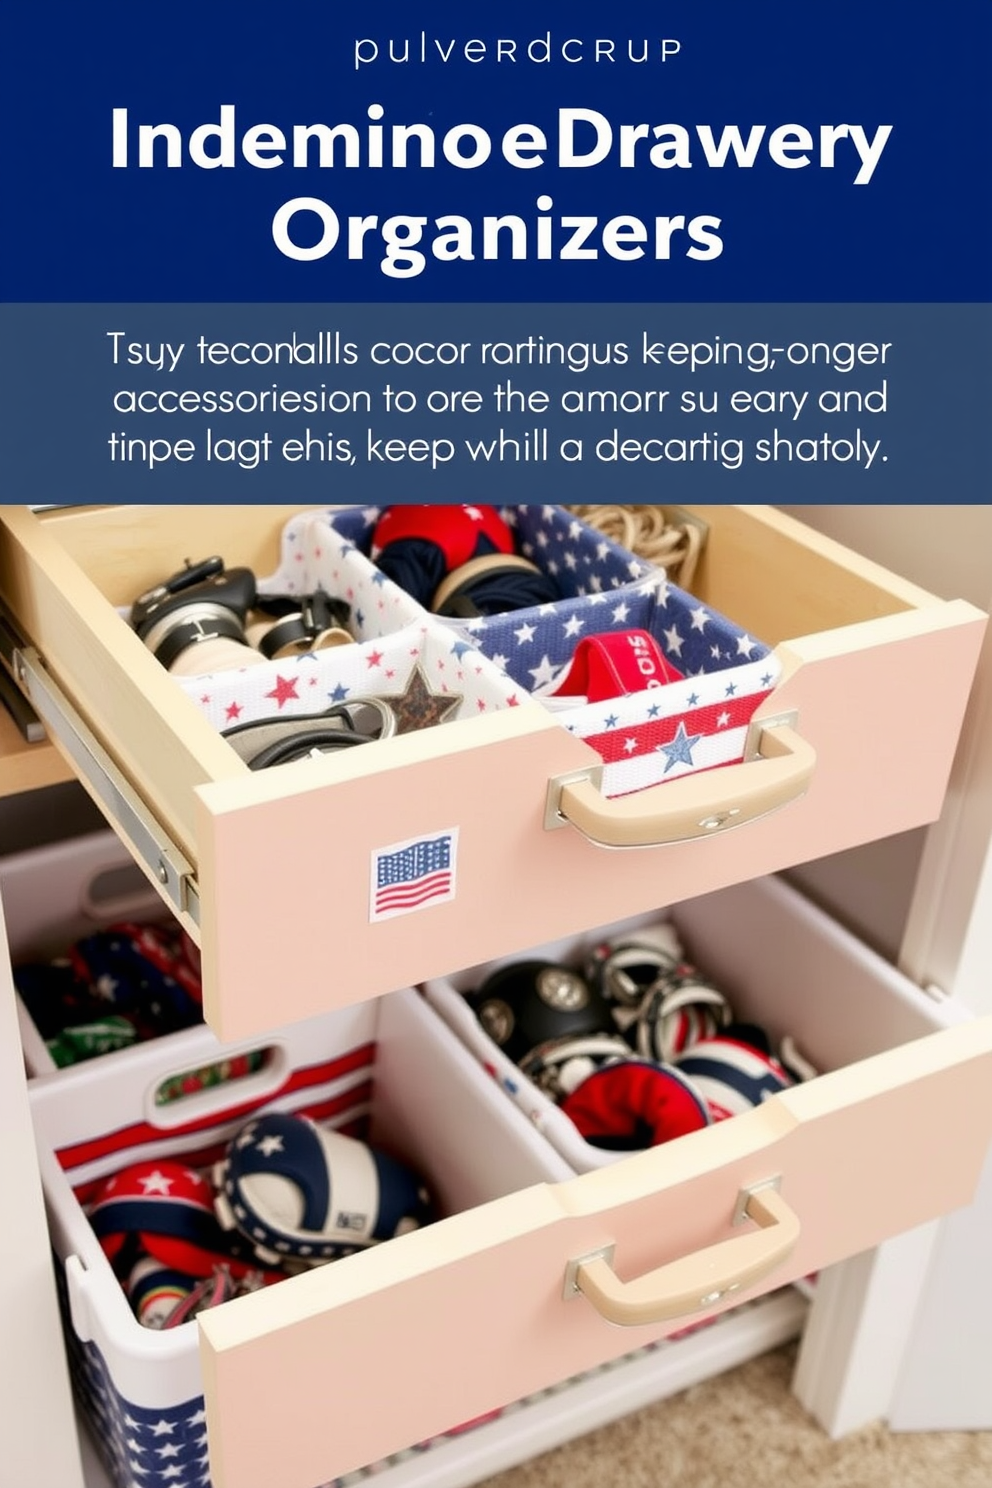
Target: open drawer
[361, 1357]
[874, 679]
[347, 1364]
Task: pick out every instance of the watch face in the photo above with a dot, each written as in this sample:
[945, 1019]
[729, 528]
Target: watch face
[561, 989]
[497, 1019]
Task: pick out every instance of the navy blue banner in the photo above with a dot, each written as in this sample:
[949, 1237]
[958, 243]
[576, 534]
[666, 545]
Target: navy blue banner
[311, 152]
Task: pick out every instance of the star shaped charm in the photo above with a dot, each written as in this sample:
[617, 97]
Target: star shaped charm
[417, 707]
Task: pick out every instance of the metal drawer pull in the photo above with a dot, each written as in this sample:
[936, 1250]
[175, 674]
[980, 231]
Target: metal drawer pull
[693, 1282]
[694, 805]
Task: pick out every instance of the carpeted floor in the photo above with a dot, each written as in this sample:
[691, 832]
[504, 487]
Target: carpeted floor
[744, 1429]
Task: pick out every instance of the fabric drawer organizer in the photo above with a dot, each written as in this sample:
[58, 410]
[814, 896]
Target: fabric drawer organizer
[512, 659]
[367, 1071]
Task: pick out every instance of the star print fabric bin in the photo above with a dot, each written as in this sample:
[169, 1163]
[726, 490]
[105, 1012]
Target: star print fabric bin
[427, 669]
[389, 1072]
[425, 673]
[644, 736]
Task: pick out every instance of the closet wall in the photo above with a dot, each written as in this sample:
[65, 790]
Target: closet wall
[925, 899]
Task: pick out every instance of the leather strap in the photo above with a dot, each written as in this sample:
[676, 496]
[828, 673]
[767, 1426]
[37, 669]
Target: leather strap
[278, 741]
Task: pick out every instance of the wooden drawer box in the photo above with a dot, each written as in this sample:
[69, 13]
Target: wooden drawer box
[875, 678]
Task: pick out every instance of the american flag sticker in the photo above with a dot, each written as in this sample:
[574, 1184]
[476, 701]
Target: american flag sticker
[413, 874]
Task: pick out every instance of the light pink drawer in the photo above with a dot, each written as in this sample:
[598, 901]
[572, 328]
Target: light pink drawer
[875, 676]
[358, 1359]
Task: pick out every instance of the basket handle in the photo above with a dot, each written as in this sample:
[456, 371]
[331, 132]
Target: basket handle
[119, 891]
[693, 805]
[213, 1082]
[698, 1281]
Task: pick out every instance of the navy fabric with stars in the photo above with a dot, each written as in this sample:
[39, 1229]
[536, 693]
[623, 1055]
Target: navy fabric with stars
[603, 587]
[157, 1447]
[534, 648]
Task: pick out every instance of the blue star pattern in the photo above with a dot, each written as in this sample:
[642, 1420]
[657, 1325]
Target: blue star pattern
[492, 662]
[582, 562]
[161, 1447]
[679, 751]
[535, 646]
[603, 587]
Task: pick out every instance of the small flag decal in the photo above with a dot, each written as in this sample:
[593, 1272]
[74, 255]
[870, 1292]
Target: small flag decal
[413, 874]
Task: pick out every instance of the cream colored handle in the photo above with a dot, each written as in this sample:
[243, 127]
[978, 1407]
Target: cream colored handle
[698, 1281]
[694, 805]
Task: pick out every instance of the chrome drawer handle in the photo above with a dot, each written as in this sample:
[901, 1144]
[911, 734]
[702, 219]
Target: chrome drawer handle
[695, 1282]
[693, 806]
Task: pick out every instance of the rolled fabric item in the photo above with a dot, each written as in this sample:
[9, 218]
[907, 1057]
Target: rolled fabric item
[55, 994]
[734, 1071]
[528, 1003]
[633, 1104]
[142, 972]
[612, 665]
[300, 1192]
[626, 967]
[167, 948]
[559, 1065]
[416, 546]
[493, 584]
[676, 1013]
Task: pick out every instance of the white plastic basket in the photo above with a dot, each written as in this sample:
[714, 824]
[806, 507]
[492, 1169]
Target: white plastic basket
[781, 962]
[55, 895]
[391, 1061]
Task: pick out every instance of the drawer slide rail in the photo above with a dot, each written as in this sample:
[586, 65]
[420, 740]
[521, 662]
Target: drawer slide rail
[166, 865]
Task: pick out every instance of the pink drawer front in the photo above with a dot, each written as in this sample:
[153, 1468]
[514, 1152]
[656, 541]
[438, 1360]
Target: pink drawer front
[363, 1357]
[271, 872]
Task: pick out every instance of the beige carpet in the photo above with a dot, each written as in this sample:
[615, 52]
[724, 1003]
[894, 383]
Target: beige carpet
[745, 1430]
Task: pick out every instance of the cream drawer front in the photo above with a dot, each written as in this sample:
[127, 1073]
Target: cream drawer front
[876, 675]
[358, 1359]
[336, 1369]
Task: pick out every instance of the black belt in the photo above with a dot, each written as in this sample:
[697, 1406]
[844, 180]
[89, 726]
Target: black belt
[278, 741]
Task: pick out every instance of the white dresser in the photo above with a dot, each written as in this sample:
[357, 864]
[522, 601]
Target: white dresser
[852, 1356]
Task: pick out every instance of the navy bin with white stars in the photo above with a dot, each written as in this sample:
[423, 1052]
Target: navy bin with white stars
[645, 736]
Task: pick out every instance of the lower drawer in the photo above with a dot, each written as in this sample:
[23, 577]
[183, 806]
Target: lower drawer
[391, 1346]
